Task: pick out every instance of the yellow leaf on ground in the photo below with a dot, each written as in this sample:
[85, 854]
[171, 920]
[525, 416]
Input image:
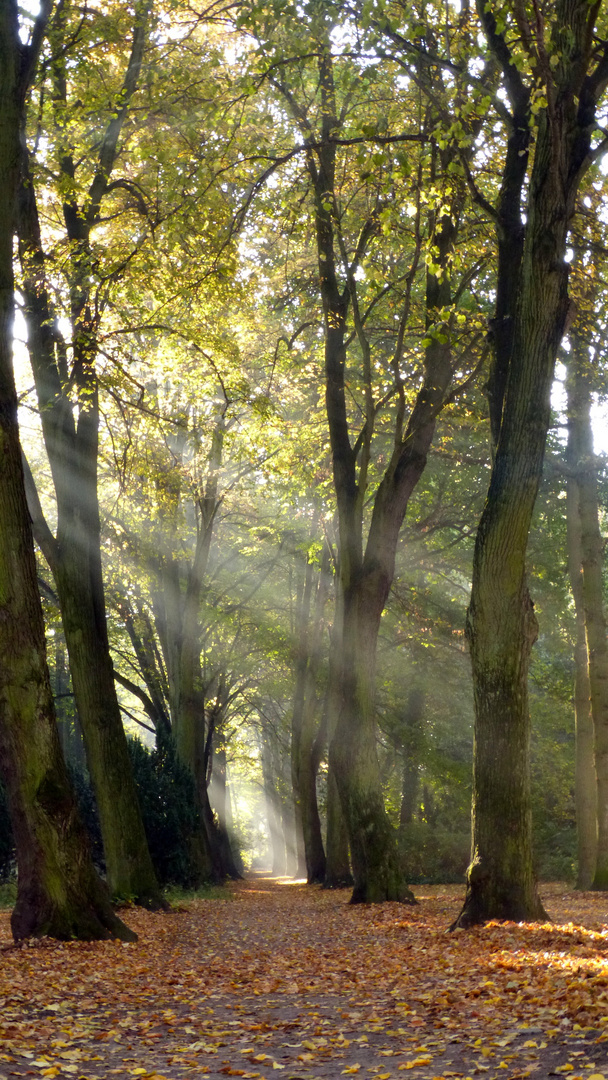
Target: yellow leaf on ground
[351, 1069]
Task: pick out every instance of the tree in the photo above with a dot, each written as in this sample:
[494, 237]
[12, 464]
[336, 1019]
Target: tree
[381, 408]
[554, 74]
[59, 893]
[586, 557]
[68, 397]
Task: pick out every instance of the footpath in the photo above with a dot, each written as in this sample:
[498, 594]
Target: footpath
[285, 981]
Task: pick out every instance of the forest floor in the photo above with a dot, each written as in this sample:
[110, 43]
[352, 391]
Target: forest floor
[283, 980]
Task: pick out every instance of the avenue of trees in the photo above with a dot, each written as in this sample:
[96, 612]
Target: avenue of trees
[290, 491]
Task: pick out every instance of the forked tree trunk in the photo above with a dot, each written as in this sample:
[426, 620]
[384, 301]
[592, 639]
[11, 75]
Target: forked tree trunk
[59, 893]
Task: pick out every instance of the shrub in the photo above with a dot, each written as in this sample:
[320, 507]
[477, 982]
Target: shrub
[169, 809]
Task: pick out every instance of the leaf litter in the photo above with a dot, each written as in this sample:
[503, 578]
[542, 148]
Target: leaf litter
[287, 981]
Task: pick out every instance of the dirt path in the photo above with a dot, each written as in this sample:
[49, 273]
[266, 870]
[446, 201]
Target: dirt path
[285, 980]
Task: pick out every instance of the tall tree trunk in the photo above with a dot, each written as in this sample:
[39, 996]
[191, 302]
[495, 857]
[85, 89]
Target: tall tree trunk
[532, 290]
[585, 781]
[590, 587]
[59, 893]
[72, 446]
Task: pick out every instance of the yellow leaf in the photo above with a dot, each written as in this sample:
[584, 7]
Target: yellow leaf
[260, 1057]
[351, 1069]
[530, 1042]
[276, 1065]
[596, 1076]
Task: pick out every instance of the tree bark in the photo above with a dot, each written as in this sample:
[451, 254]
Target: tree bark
[59, 893]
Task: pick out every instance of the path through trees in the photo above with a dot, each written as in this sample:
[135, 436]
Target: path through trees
[278, 978]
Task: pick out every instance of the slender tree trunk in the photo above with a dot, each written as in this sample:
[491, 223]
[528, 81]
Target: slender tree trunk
[221, 803]
[585, 781]
[590, 586]
[301, 630]
[307, 738]
[273, 805]
[59, 893]
[412, 741]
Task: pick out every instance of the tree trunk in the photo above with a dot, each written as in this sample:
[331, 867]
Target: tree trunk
[590, 586]
[307, 737]
[377, 870]
[301, 631]
[337, 857]
[337, 862]
[585, 780]
[412, 740]
[220, 797]
[75, 555]
[273, 805]
[59, 893]
[532, 288]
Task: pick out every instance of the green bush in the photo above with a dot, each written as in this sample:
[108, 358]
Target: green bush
[168, 803]
[87, 808]
[433, 856]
